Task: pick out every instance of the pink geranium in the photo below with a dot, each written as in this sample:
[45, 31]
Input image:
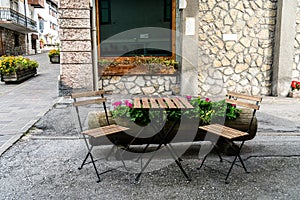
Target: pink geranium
[128, 104]
[189, 98]
[207, 99]
[117, 103]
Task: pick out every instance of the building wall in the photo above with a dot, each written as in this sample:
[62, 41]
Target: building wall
[76, 55]
[242, 63]
[149, 85]
[236, 48]
[296, 66]
[9, 46]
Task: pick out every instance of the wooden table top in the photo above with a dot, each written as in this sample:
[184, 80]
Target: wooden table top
[162, 102]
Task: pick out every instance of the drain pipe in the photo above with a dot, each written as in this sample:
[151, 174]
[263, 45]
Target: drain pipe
[94, 46]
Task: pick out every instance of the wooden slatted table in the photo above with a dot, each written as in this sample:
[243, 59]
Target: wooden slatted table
[163, 103]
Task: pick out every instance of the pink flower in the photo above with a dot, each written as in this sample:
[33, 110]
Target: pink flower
[118, 103]
[189, 98]
[207, 99]
[234, 105]
[128, 104]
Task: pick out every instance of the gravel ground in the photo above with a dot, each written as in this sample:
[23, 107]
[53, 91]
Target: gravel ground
[47, 169]
[43, 165]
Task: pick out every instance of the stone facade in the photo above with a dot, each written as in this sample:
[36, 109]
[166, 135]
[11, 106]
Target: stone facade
[76, 51]
[154, 85]
[9, 46]
[236, 46]
[296, 66]
[236, 50]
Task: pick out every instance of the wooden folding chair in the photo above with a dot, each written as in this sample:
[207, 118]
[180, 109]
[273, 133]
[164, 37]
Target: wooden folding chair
[90, 135]
[232, 135]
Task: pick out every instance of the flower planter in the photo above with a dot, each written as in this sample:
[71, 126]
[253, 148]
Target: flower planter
[97, 119]
[55, 59]
[19, 75]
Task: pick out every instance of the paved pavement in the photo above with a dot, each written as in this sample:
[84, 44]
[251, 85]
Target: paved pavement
[23, 104]
[43, 164]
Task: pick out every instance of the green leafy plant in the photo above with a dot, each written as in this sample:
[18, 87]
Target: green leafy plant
[204, 110]
[10, 64]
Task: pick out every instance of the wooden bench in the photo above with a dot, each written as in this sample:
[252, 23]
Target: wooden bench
[231, 134]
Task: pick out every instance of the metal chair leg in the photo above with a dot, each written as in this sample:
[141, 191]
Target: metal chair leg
[233, 162]
[95, 168]
[87, 155]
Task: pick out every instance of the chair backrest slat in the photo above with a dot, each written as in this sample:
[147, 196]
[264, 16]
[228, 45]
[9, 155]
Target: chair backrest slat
[87, 94]
[243, 104]
[88, 102]
[244, 96]
[244, 100]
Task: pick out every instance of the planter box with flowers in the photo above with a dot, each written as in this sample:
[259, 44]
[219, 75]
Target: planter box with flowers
[203, 113]
[17, 68]
[54, 56]
[295, 89]
[138, 65]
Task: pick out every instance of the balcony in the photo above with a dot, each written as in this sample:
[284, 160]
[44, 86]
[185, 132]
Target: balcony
[13, 20]
[37, 3]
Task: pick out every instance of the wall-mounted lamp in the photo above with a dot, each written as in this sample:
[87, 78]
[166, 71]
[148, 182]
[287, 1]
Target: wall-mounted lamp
[182, 4]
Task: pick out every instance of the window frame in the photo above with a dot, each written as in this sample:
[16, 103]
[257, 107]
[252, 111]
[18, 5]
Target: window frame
[172, 22]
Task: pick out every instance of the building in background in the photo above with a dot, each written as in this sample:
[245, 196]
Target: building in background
[47, 24]
[18, 28]
[27, 26]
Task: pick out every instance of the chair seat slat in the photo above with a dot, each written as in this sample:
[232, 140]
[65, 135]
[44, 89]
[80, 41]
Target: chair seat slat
[223, 131]
[104, 131]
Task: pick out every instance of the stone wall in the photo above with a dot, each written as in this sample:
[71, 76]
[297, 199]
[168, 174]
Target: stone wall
[296, 66]
[240, 61]
[75, 37]
[148, 85]
[9, 42]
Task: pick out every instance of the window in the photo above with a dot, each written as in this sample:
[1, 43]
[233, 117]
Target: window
[16, 40]
[168, 10]
[14, 5]
[41, 25]
[105, 12]
[118, 17]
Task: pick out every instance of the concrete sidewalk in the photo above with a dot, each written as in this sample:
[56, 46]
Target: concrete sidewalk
[24, 103]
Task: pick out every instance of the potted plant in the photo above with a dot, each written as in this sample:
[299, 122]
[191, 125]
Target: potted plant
[295, 89]
[17, 68]
[54, 56]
